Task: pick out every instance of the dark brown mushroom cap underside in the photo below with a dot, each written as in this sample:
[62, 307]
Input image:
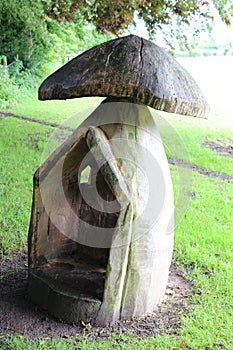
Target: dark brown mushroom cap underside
[129, 67]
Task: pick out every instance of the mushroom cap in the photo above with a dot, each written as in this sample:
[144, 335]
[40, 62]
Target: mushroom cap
[128, 67]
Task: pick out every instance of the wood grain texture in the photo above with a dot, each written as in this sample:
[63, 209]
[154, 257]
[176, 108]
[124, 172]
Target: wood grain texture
[77, 246]
[130, 67]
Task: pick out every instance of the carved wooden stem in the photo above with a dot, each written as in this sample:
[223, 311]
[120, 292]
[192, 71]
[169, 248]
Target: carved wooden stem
[121, 144]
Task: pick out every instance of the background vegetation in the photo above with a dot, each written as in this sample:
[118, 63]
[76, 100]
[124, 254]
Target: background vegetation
[37, 37]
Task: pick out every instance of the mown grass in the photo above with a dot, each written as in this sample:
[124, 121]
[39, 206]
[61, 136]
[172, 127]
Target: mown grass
[193, 133]
[203, 240]
[54, 111]
[20, 145]
[112, 342]
[21, 148]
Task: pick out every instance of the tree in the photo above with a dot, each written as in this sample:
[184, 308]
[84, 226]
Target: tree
[30, 28]
[176, 19]
[23, 33]
[30, 35]
[114, 16]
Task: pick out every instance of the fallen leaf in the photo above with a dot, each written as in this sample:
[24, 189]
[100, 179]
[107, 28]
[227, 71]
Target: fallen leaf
[183, 344]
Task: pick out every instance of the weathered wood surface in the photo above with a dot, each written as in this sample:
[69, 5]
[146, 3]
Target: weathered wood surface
[130, 67]
[130, 247]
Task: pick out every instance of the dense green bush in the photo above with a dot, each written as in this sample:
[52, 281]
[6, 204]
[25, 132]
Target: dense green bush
[15, 81]
[29, 35]
[33, 45]
[23, 33]
[9, 90]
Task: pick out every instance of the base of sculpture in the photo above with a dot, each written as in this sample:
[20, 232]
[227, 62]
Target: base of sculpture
[69, 291]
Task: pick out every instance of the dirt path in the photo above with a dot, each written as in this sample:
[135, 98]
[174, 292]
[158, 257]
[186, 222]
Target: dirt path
[53, 125]
[205, 172]
[223, 147]
[19, 316]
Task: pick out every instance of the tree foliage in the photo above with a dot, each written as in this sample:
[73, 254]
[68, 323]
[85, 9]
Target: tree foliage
[31, 29]
[114, 16]
[30, 35]
[176, 19]
[23, 33]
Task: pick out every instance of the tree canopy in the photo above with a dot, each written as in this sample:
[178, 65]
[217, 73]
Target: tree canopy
[114, 16]
[31, 35]
[30, 28]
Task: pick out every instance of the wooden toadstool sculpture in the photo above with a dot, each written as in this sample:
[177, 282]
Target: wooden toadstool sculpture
[100, 249]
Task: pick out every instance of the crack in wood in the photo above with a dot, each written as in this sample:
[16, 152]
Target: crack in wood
[141, 60]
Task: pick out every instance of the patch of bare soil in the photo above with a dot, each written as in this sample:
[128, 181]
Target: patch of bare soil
[19, 316]
[223, 147]
[205, 172]
[33, 120]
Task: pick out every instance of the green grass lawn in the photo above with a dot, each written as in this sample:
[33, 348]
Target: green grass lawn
[54, 111]
[203, 239]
